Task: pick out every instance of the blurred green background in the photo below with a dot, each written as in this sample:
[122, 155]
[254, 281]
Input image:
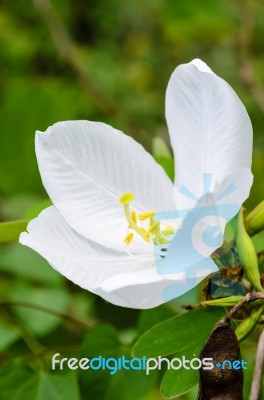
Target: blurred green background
[105, 61]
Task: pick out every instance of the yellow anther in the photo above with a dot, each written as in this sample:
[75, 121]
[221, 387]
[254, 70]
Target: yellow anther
[146, 215]
[126, 198]
[168, 231]
[128, 239]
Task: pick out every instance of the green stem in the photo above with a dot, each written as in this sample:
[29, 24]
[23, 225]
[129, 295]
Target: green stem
[249, 298]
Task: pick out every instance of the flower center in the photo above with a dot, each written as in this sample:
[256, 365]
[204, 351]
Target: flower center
[144, 224]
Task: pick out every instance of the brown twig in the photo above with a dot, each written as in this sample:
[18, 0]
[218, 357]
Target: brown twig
[249, 298]
[255, 393]
[46, 310]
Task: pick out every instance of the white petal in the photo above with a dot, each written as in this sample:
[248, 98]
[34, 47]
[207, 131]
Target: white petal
[204, 219]
[85, 168]
[115, 276]
[81, 260]
[201, 65]
[149, 289]
[234, 188]
[210, 129]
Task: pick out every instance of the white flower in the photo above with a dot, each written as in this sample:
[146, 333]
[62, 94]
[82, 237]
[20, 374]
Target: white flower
[86, 166]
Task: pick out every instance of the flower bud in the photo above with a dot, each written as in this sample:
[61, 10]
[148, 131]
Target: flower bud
[224, 302]
[255, 220]
[247, 254]
[248, 324]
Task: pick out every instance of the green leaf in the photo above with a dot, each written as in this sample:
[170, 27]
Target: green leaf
[10, 231]
[100, 341]
[130, 385]
[177, 333]
[103, 341]
[40, 323]
[177, 382]
[27, 264]
[153, 316]
[19, 383]
[8, 335]
[52, 387]
[185, 335]
[14, 372]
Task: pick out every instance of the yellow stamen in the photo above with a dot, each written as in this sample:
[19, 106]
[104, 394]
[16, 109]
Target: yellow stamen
[132, 224]
[153, 225]
[146, 215]
[148, 234]
[126, 198]
[158, 236]
[153, 232]
[128, 239]
[168, 231]
[134, 217]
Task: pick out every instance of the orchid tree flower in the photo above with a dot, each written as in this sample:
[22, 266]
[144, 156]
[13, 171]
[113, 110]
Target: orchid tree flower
[101, 231]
